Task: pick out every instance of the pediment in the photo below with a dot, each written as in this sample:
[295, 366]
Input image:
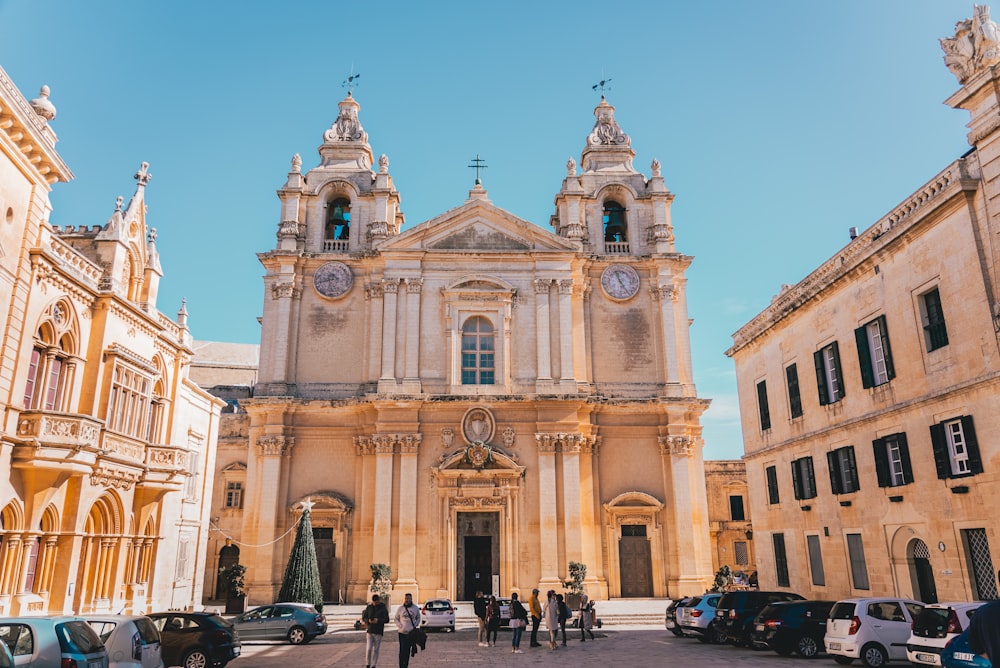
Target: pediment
[478, 226]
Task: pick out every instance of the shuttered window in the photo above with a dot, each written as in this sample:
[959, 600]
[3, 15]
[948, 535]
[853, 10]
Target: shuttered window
[794, 397]
[829, 377]
[843, 470]
[765, 413]
[803, 478]
[874, 354]
[856, 554]
[780, 559]
[773, 496]
[956, 449]
[815, 561]
[892, 461]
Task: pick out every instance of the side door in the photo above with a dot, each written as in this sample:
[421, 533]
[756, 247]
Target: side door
[253, 624]
[281, 620]
[21, 642]
[170, 628]
[891, 626]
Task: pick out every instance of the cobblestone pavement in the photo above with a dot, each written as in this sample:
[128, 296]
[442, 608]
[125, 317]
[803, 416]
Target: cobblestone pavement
[619, 647]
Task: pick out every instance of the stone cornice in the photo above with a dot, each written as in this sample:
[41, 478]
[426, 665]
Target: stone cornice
[567, 442]
[961, 175]
[30, 133]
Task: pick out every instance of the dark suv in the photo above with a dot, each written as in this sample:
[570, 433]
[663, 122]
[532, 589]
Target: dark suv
[196, 639]
[792, 626]
[737, 609]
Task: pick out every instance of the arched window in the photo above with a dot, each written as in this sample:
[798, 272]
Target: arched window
[478, 360]
[615, 227]
[338, 220]
[45, 385]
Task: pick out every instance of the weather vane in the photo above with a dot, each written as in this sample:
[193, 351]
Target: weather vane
[478, 164]
[604, 85]
[351, 81]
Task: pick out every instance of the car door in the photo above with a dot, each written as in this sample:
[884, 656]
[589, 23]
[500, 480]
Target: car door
[253, 624]
[21, 642]
[282, 619]
[171, 637]
[891, 626]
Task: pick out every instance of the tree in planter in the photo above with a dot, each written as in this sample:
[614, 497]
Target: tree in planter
[301, 582]
[234, 585]
[723, 577]
[381, 580]
[574, 585]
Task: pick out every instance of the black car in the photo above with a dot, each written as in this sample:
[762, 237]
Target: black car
[670, 617]
[737, 609]
[196, 639]
[792, 626]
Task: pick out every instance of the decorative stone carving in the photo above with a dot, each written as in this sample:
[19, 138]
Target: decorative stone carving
[975, 45]
[113, 476]
[675, 445]
[285, 290]
[571, 167]
[479, 455]
[563, 442]
[606, 131]
[383, 164]
[273, 445]
[347, 127]
[296, 163]
[387, 444]
[566, 287]
[655, 167]
[478, 426]
[508, 435]
[447, 437]
[542, 286]
[390, 286]
[414, 285]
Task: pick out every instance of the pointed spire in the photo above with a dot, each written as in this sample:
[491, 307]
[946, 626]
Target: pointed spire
[152, 255]
[143, 176]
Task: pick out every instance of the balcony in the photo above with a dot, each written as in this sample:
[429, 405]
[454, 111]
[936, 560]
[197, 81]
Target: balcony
[335, 245]
[166, 467]
[616, 248]
[60, 441]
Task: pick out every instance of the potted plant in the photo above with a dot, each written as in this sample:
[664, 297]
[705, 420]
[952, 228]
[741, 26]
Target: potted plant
[381, 581]
[235, 587]
[574, 585]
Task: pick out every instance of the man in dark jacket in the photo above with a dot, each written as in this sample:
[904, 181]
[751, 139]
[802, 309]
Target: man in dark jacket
[479, 606]
[375, 617]
[984, 631]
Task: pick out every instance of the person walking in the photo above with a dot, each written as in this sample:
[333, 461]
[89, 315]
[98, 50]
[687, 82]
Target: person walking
[551, 614]
[492, 621]
[984, 631]
[518, 621]
[479, 607]
[586, 618]
[563, 616]
[376, 616]
[407, 618]
[535, 607]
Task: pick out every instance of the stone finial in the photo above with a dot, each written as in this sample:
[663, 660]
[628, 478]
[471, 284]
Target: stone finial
[42, 106]
[606, 131]
[296, 163]
[655, 167]
[383, 164]
[975, 45]
[347, 127]
[182, 314]
[571, 167]
[119, 201]
[143, 176]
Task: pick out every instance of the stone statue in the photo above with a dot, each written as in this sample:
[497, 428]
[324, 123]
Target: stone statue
[296, 163]
[383, 164]
[571, 167]
[975, 45]
[655, 167]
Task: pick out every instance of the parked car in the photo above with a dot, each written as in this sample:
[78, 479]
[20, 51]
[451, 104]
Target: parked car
[957, 654]
[670, 618]
[934, 627]
[196, 639]
[6, 658]
[504, 611]
[874, 630]
[298, 623]
[131, 641]
[792, 626]
[53, 642]
[438, 613]
[736, 611]
[697, 617]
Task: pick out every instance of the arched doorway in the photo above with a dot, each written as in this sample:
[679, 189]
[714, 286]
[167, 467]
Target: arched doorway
[921, 572]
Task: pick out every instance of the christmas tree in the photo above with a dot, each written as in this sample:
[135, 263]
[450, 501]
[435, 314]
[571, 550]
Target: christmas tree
[301, 582]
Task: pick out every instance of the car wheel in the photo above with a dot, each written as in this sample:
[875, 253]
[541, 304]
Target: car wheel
[196, 658]
[709, 636]
[873, 656]
[843, 660]
[676, 631]
[296, 635]
[807, 647]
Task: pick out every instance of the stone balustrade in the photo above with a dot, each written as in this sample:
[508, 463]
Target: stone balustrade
[59, 429]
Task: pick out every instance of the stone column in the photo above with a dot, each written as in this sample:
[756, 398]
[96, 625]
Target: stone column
[548, 522]
[373, 297]
[412, 378]
[388, 377]
[683, 329]
[571, 519]
[263, 524]
[682, 573]
[284, 291]
[408, 445]
[10, 563]
[590, 552]
[665, 295]
[382, 521]
[543, 336]
[22, 578]
[566, 331]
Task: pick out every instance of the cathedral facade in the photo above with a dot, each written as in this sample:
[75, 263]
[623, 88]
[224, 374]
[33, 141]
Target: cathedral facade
[476, 401]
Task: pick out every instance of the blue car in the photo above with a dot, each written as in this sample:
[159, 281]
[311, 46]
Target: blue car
[958, 655]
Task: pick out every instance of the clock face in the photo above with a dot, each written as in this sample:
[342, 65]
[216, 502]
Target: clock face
[333, 279]
[620, 281]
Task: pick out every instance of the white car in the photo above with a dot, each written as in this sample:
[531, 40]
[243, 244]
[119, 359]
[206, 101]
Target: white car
[438, 613]
[132, 641]
[934, 628]
[874, 630]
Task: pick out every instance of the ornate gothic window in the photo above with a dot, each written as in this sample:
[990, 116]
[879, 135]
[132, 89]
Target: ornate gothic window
[615, 227]
[50, 367]
[478, 352]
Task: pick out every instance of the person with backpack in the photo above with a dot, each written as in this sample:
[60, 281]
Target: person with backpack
[518, 621]
[564, 615]
[492, 621]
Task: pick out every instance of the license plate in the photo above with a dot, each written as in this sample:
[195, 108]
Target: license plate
[833, 645]
[964, 656]
[929, 658]
[95, 664]
[760, 627]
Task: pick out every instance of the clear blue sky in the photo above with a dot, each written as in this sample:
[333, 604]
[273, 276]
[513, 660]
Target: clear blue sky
[780, 124]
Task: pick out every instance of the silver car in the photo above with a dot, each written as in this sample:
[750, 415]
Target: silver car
[297, 623]
[697, 617]
[53, 642]
[131, 641]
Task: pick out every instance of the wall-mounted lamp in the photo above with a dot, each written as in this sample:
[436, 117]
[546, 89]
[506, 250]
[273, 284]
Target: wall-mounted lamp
[749, 533]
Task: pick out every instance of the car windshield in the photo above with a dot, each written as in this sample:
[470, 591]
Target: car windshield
[437, 605]
[842, 610]
[77, 637]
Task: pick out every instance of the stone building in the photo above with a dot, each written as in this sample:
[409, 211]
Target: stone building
[476, 401]
[104, 438]
[870, 391]
[730, 527]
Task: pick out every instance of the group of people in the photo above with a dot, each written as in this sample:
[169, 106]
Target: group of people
[554, 611]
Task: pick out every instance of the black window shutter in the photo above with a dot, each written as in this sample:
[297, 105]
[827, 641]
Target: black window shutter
[864, 357]
[824, 397]
[941, 459]
[765, 413]
[832, 463]
[796, 480]
[810, 477]
[881, 462]
[972, 445]
[772, 485]
[890, 370]
[838, 370]
[904, 458]
[794, 398]
[852, 472]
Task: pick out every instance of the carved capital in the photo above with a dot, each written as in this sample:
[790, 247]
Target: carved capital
[542, 286]
[274, 445]
[387, 444]
[414, 285]
[566, 286]
[676, 445]
[285, 289]
[564, 442]
[373, 291]
[390, 286]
